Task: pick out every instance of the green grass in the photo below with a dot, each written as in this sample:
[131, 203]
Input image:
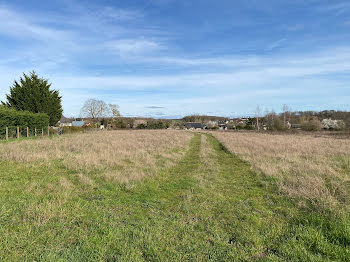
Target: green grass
[22, 138]
[209, 206]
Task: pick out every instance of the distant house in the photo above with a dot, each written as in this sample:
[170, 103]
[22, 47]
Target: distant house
[193, 126]
[222, 125]
[78, 123]
[212, 123]
[64, 121]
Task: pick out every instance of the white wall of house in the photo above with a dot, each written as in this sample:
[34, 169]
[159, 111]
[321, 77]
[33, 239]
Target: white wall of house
[65, 124]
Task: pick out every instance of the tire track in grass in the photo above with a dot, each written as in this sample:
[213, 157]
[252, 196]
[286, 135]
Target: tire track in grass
[209, 206]
[265, 225]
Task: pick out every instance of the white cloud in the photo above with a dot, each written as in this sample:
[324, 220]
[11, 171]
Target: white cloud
[125, 47]
[16, 24]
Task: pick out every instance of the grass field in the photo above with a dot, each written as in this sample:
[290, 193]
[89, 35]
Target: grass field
[162, 196]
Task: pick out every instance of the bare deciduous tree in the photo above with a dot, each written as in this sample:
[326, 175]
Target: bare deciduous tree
[285, 109]
[114, 110]
[95, 109]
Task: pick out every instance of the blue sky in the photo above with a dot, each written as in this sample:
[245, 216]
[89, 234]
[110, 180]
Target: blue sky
[170, 58]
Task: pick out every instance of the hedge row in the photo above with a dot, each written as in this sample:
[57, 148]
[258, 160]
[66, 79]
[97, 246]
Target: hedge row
[12, 118]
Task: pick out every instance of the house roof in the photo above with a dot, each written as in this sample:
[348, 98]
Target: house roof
[65, 120]
[78, 123]
[194, 125]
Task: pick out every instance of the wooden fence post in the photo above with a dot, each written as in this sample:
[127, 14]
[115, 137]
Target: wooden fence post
[34, 131]
[42, 132]
[27, 131]
[17, 131]
[7, 133]
[48, 130]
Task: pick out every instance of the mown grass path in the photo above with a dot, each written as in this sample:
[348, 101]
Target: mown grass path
[210, 206]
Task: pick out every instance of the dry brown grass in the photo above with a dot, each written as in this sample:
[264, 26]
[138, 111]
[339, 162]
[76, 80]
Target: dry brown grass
[308, 168]
[120, 155]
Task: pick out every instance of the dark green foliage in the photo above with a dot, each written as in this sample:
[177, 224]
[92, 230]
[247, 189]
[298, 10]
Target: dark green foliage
[119, 123]
[141, 126]
[155, 124]
[33, 94]
[244, 127]
[12, 118]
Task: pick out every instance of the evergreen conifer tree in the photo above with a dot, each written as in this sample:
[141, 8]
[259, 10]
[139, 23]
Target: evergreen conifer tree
[33, 94]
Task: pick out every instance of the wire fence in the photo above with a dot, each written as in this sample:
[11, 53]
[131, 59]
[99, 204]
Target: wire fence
[16, 132]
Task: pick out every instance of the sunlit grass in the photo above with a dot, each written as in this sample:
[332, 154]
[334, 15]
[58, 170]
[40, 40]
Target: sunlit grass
[207, 204]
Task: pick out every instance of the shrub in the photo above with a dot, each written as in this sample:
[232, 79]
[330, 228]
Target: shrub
[313, 125]
[154, 124]
[141, 126]
[12, 118]
[119, 123]
[276, 125]
[244, 127]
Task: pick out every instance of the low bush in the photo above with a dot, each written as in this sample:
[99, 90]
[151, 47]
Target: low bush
[276, 125]
[312, 125]
[244, 127]
[154, 125]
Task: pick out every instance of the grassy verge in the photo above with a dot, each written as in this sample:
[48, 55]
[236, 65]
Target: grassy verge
[209, 206]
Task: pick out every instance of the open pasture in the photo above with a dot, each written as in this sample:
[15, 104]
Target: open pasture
[171, 196]
[119, 155]
[310, 168]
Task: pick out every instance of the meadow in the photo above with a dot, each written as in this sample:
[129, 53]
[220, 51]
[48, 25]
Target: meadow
[175, 196]
[312, 168]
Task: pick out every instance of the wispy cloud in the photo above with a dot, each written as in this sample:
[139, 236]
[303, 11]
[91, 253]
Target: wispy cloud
[18, 25]
[264, 71]
[154, 107]
[78, 33]
[126, 47]
[276, 44]
[337, 8]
